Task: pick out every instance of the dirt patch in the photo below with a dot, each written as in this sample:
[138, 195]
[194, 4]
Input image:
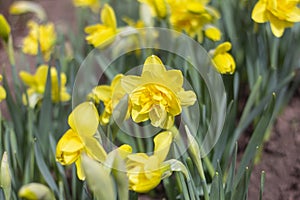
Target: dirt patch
[280, 159]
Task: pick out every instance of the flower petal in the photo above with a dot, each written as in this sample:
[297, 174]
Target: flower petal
[162, 143]
[84, 119]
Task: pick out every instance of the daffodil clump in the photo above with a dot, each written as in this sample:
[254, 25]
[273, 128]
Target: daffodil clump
[41, 37]
[36, 84]
[280, 14]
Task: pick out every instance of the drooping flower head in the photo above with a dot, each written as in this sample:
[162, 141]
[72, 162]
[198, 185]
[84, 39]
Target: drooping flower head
[100, 35]
[110, 95]
[222, 60]
[37, 85]
[41, 36]
[157, 94]
[191, 16]
[281, 14]
[83, 121]
[145, 172]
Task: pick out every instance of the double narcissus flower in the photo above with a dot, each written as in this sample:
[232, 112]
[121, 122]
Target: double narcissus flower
[281, 14]
[41, 36]
[84, 121]
[192, 16]
[145, 172]
[110, 95]
[100, 35]
[37, 85]
[157, 94]
[222, 60]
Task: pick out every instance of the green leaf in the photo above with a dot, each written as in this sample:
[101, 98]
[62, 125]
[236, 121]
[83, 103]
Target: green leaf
[262, 185]
[99, 179]
[44, 169]
[217, 191]
[256, 139]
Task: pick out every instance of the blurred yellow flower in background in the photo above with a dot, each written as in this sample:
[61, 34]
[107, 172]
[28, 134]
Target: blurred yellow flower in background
[145, 172]
[222, 60]
[4, 28]
[109, 95]
[84, 121]
[157, 94]
[281, 14]
[101, 35]
[93, 4]
[37, 85]
[2, 90]
[212, 33]
[191, 16]
[158, 7]
[41, 37]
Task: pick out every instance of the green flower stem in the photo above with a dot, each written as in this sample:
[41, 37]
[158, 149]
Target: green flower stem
[209, 166]
[198, 164]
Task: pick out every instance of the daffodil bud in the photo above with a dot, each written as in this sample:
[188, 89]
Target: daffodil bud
[5, 178]
[4, 28]
[36, 191]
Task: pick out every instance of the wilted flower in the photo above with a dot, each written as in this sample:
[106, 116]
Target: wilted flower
[280, 14]
[222, 60]
[100, 35]
[4, 28]
[93, 4]
[145, 172]
[41, 37]
[2, 91]
[84, 121]
[191, 16]
[157, 94]
[158, 7]
[109, 95]
[37, 85]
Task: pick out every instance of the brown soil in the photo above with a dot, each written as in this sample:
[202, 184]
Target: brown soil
[280, 159]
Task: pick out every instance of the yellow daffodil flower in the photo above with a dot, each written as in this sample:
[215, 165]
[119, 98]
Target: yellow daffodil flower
[4, 28]
[109, 95]
[101, 35]
[158, 7]
[212, 33]
[145, 172]
[281, 14]
[191, 16]
[93, 4]
[157, 94]
[40, 36]
[22, 7]
[37, 85]
[2, 91]
[222, 60]
[84, 121]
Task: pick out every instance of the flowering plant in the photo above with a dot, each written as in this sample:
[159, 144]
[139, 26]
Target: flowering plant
[146, 102]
